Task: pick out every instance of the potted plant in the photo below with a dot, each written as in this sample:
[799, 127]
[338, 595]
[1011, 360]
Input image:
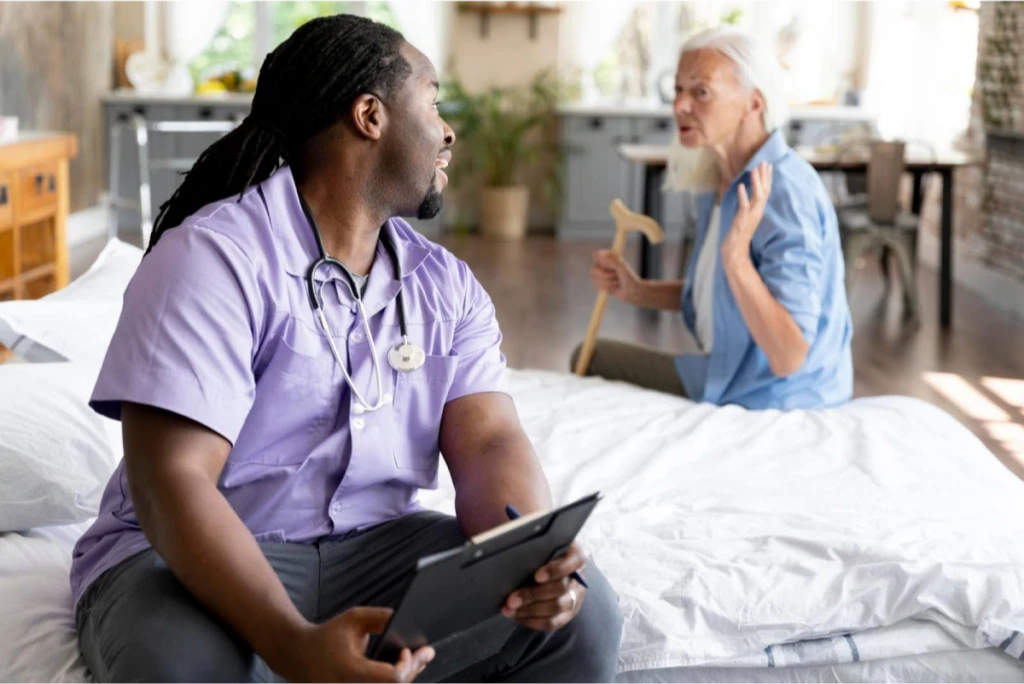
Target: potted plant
[502, 134]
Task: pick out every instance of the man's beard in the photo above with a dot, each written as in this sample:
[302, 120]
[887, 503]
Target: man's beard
[431, 204]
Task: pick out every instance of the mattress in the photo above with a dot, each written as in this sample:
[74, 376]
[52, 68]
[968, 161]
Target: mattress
[743, 545]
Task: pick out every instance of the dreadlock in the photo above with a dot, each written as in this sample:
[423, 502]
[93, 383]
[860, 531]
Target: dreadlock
[305, 85]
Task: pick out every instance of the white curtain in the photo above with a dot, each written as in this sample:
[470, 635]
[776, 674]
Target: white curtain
[426, 24]
[587, 30]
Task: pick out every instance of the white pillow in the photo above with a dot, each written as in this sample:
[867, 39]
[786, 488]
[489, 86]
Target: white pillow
[56, 453]
[77, 322]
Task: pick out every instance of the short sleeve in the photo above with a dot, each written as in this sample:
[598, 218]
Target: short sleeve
[789, 252]
[477, 342]
[187, 333]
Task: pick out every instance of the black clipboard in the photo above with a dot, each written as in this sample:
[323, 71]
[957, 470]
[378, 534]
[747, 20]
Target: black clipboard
[453, 591]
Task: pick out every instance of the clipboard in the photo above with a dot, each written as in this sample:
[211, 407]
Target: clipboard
[456, 590]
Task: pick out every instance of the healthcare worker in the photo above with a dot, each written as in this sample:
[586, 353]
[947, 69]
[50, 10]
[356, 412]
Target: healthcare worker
[764, 295]
[281, 409]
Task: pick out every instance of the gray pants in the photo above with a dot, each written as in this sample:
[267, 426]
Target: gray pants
[641, 366]
[138, 623]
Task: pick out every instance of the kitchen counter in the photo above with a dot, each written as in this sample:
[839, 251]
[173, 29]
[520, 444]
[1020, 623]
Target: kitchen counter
[136, 97]
[640, 109]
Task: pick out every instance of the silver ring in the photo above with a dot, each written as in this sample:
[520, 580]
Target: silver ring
[572, 595]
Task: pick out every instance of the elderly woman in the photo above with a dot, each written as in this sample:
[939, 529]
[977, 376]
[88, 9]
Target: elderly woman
[764, 295]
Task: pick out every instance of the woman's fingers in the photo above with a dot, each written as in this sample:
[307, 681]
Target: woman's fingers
[755, 183]
[744, 201]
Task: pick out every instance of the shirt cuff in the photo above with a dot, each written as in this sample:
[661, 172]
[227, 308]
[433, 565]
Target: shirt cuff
[180, 394]
[478, 379]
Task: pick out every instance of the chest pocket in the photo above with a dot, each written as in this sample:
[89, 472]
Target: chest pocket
[419, 402]
[297, 400]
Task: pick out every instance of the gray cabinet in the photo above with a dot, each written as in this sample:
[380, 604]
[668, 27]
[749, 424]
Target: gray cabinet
[166, 177]
[595, 173]
[170, 154]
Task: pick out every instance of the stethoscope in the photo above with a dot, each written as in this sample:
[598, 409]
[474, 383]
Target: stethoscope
[404, 357]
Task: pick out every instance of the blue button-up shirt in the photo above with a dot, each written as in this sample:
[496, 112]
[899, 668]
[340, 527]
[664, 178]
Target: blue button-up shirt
[797, 252]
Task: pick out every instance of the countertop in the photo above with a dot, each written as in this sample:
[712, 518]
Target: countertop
[804, 113]
[630, 109]
[136, 97]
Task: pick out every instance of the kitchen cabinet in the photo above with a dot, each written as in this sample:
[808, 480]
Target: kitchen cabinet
[170, 154]
[596, 174]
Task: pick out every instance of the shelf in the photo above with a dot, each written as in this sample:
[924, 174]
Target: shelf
[486, 9]
[38, 272]
[36, 215]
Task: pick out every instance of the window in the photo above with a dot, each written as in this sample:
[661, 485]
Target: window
[816, 44]
[649, 40]
[252, 29]
[232, 46]
[287, 15]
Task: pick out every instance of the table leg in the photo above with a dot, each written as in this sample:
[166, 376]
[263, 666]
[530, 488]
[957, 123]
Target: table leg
[946, 270]
[916, 198]
[650, 254]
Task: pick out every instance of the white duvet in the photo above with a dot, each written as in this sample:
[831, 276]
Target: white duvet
[724, 531]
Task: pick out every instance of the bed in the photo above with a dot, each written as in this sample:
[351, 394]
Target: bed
[880, 541]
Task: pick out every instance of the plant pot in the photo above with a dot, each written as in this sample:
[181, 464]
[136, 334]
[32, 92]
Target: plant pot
[504, 211]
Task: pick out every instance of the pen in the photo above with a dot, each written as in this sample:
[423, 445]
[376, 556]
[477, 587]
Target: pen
[512, 513]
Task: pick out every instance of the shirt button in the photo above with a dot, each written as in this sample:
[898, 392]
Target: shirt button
[387, 398]
[358, 409]
[335, 509]
[356, 337]
[358, 423]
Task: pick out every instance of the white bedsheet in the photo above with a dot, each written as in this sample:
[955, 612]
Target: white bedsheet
[724, 531]
[727, 531]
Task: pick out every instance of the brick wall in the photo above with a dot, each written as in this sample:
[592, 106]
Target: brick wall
[1003, 230]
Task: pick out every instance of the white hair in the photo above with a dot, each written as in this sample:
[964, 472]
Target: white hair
[757, 69]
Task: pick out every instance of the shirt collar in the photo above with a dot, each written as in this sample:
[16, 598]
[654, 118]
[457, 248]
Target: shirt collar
[294, 236]
[772, 151]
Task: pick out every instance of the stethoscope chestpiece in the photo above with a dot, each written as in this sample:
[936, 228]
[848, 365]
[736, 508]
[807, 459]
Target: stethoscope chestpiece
[405, 357]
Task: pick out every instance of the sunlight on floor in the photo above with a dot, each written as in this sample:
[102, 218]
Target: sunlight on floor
[1000, 426]
[1010, 391]
[966, 397]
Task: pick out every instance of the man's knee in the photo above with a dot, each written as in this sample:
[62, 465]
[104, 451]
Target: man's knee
[142, 625]
[596, 632]
[187, 658]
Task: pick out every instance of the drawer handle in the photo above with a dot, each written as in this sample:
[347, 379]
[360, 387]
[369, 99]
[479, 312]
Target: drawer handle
[205, 113]
[596, 123]
[663, 124]
[3, 195]
[47, 181]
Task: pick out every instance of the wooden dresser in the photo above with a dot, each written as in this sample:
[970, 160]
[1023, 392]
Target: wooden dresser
[33, 213]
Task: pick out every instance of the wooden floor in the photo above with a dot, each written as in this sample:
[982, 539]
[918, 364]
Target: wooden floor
[975, 371]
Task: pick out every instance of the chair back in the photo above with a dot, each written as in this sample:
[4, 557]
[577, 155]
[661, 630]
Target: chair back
[885, 169]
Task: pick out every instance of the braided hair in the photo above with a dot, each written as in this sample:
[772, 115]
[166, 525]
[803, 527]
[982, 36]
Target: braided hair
[305, 85]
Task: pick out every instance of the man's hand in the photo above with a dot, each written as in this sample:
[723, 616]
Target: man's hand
[335, 651]
[555, 600]
[610, 273]
[736, 246]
